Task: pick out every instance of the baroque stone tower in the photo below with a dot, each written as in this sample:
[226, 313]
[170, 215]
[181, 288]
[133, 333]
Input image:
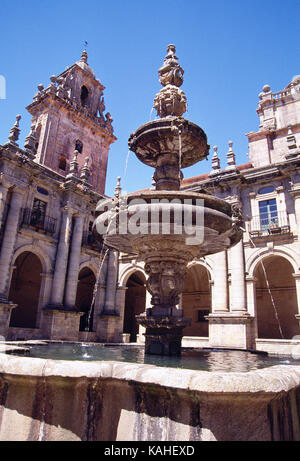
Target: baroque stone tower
[69, 115]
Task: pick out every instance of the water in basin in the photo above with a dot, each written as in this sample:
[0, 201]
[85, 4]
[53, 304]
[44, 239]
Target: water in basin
[191, 358]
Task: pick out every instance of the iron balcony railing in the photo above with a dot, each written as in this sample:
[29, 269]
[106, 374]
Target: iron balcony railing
[269, 224]
[89, 240]
[37, 221]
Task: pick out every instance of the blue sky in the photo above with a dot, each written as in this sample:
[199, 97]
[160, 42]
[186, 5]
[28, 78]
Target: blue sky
[228, 48]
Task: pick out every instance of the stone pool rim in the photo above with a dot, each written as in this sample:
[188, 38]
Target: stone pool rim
[270, 380]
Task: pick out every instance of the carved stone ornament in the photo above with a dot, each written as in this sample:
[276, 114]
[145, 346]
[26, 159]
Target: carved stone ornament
[170, 101]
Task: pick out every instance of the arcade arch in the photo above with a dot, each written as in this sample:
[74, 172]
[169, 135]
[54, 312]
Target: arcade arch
[84, 298]
[25, 290]
[196, 300]
[135, 303]
[276, 298]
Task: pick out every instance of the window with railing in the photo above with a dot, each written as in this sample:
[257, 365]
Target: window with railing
[38, 213]
[37, 218]
[268, 214]
[89, 239]
[270, 221]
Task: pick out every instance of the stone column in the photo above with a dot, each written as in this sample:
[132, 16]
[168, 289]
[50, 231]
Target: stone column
[6, 254]
[220, 288]
[108, 328]
[251, 305]
[120, 308]
[230, 329]
[61, 262]
[297, 280]
[238, 282]
[9, 239]
[59, 323]
[111, 282]
[45, 294]
[295, 192]
[142, 330]
[74, 262]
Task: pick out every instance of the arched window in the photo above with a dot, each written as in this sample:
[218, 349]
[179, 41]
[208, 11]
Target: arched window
[62, 163]
[84, 298]
[84, 95]
[78, 146]
[266, 190]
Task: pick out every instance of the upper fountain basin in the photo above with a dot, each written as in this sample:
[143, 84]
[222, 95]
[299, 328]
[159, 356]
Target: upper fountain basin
[185, 140]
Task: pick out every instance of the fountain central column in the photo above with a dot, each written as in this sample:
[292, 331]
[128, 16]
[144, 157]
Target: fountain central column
[164, 321]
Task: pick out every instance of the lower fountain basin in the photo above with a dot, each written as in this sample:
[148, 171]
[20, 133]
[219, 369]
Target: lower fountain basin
[66, 400]
[199, 223]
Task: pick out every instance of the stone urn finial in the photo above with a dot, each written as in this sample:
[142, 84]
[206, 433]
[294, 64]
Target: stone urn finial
[215, 159]
[118, 188]
[84, 56]
[85, 172]
[15, 131]
[73, 172]
[170, 101]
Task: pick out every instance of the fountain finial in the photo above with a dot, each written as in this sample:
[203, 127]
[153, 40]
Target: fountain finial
[171, 73]
[170, 101]
[118, 188]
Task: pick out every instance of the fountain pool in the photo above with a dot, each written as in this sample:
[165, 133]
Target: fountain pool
[112, 400]
[213, 360]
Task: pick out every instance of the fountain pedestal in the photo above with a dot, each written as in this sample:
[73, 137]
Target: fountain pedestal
[165, 265]
[163, 335]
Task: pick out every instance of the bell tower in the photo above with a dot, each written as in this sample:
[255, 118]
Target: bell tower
[69, 115]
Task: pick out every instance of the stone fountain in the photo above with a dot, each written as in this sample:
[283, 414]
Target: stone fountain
[174, 226]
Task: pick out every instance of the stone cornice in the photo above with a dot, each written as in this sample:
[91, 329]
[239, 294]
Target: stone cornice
[246, 176]
[43, 174]
[256, 135]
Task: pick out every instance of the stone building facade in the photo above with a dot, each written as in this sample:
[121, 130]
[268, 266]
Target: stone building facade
[57, 282]
[49, 259]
